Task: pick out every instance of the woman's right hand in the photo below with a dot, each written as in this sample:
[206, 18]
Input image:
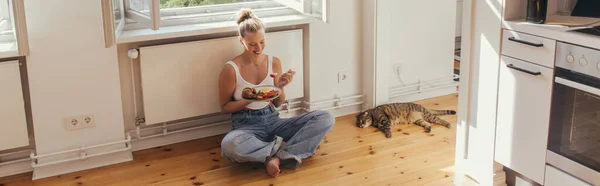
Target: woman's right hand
[285, 78]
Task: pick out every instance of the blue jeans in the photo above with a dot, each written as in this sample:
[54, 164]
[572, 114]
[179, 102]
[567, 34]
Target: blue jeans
[257, 136]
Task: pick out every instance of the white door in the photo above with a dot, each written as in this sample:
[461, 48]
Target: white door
[13, 124]
[524, 96]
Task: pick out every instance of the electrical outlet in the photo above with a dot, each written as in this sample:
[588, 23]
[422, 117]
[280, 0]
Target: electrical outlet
[88, 120]
[342, 76]
[81, 121]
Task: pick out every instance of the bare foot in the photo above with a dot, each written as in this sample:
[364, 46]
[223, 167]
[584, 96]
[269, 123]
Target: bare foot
[273, 167]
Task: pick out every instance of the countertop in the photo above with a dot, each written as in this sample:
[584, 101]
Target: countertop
[557, 32]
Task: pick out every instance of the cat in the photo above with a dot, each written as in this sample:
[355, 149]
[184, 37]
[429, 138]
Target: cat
[386, 115]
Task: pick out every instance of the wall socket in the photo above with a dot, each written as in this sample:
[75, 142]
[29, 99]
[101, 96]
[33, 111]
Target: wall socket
[342, 76]
[81, 121]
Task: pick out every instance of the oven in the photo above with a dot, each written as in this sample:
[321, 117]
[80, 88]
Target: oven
[574, 132]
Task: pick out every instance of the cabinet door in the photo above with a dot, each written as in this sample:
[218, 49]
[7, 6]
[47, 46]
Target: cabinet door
[555, 177]
[13, 125]
[524, 94]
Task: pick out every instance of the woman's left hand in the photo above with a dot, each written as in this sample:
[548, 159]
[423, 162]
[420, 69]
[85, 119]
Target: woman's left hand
[285, 78]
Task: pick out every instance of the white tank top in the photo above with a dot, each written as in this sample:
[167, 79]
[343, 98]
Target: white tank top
[241, 84]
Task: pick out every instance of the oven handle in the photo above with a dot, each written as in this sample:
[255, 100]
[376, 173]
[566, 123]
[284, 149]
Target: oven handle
[576, 85]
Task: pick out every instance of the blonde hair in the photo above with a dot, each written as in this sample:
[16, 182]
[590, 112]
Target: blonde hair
[248, 22]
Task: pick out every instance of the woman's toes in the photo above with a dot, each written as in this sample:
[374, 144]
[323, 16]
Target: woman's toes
[273, 167]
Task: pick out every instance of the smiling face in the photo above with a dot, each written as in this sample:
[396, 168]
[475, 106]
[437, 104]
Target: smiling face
[364, 120]
[254, 42]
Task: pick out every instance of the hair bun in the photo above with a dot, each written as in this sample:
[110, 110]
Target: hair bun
[244, 15]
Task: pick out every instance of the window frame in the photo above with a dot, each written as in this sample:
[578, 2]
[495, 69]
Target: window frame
[20, 26]
[155, 18]
[16, 15]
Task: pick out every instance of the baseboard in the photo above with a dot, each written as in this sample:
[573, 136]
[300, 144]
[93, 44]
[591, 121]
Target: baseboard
[425, 95]
[180, 137]
[75, 166]
[22, 162]
[347, 110]
[16, 168]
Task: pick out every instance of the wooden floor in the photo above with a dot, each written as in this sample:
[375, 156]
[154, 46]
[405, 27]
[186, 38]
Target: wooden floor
[347, 156]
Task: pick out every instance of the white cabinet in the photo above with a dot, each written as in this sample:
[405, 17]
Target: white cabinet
[13, 124]
[555, 177]
[524, 94]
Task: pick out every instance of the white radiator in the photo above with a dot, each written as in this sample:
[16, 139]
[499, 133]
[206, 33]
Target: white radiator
[13, 123]
[181, 80]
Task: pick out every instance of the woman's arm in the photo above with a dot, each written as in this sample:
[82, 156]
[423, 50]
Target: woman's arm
[226, 90]
[277, 69]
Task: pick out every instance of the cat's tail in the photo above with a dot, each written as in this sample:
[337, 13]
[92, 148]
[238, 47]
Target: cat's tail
[443, 112]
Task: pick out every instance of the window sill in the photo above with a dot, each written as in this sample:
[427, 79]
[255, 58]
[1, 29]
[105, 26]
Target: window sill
[8, 49]
[131, 36]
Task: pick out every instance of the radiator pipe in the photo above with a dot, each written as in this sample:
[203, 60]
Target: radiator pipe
[83, 148]
[333, 100]
[167, 132]
[14, 161]
[422, 90]
[35, 165]
[16, 152]
[425, 82]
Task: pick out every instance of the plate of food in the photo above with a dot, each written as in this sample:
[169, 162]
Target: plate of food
[261, 93]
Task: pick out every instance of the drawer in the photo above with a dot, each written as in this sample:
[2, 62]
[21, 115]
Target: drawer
[529, 48]
[555, 177]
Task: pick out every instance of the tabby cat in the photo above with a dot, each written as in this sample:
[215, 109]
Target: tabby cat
[384, 116]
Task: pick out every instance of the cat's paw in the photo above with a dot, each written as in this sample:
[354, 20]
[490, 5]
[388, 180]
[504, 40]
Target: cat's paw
[388, 134]
[427, 129]
[448, 125]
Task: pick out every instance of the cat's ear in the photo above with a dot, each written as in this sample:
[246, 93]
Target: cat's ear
[365, 113]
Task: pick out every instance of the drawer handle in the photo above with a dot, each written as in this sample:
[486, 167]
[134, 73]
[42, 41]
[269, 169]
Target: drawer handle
[526, 42]
[523, 70]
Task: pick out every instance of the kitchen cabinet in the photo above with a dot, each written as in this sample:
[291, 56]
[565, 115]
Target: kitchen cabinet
[529, 48]
[555, 177]
[13, 124]
[524, 94]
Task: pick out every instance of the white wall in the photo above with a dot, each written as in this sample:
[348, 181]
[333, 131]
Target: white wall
[336, 46]
[71, 73]
[411, 46]
[416, 42]
[332, 47]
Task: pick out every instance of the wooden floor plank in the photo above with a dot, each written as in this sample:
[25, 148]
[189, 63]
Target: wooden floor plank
[346, 156]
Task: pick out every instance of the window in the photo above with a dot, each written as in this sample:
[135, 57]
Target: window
[13, 38]
[153, 14]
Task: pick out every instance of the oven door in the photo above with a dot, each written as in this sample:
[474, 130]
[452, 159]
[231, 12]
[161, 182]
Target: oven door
[574, 134]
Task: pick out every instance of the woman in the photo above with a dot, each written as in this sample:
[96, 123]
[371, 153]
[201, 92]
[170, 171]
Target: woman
[259, 134]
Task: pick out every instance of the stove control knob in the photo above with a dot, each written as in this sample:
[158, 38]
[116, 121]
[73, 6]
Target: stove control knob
[570, 58]
[583, 62]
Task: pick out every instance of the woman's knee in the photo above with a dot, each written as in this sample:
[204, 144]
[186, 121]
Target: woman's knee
[325, 117]
[231, 143]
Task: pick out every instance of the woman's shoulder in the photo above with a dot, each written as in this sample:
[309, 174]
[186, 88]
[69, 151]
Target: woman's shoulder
[276, 62]
[229, 67]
